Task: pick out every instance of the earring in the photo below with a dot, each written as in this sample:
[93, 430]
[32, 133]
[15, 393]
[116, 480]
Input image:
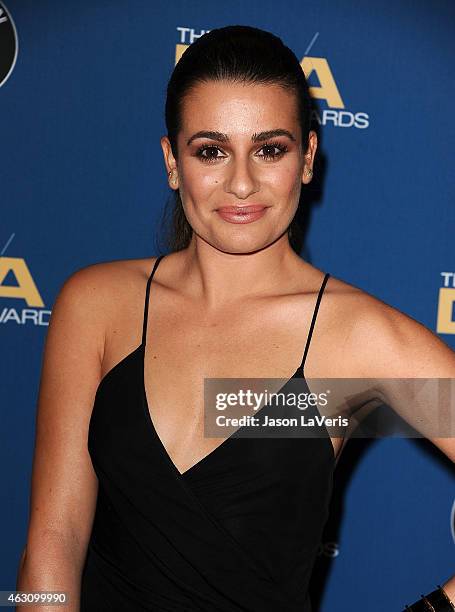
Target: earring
[172, 176]
[309, 172]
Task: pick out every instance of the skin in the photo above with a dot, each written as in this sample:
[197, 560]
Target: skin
[236, 303]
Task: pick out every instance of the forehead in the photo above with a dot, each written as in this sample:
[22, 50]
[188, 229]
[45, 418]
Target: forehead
[236, 108]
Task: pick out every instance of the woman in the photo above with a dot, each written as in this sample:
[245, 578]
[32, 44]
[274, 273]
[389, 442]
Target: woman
[152, 515]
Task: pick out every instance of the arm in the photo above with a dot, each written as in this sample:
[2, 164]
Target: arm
[64, 485]
[390, 345]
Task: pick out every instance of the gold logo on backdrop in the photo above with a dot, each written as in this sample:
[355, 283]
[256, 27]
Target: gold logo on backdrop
[445, 322]
[327, 89]
[179, 49]
[26, 288]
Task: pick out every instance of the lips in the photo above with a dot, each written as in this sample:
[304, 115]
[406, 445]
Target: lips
[242, 210]
[242, 214]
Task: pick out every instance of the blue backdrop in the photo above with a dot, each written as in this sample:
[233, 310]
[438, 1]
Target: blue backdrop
[83, 181]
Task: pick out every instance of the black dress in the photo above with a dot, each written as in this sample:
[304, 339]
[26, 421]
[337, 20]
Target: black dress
[238, 531]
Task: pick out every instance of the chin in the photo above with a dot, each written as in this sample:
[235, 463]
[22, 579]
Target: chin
[242, 246]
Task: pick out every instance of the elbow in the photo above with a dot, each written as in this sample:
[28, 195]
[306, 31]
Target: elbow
[50, 568]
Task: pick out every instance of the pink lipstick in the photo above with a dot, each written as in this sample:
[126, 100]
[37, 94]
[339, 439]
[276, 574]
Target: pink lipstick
[242, 214]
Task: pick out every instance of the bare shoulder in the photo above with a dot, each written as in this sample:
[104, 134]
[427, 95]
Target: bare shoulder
[383, 341]
[100, 293]
[100, 282]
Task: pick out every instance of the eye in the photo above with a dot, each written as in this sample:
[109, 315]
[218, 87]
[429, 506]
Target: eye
[211, 151]
[270, 154]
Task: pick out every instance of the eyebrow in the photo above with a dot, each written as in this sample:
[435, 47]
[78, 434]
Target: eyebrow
[261, 137]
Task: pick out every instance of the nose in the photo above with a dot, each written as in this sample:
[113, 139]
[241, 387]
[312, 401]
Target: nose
[241, 180]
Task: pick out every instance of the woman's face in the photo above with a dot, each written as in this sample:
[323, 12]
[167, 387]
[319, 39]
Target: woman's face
[239, 146]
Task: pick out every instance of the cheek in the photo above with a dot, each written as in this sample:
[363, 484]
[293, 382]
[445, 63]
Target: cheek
[198, 182]
[283, 175]
[286, 183]
[283, 181]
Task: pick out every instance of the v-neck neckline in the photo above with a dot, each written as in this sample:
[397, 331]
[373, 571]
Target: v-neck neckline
[226, 442]
[217, 450]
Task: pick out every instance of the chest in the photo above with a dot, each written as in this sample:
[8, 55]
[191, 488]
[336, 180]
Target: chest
[185, 348]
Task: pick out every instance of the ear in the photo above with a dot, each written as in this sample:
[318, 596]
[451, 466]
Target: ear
[309, 157]
[170, 163]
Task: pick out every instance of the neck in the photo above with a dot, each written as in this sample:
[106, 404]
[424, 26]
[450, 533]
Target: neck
[217, 278]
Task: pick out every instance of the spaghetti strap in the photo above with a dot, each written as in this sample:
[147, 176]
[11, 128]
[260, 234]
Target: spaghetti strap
[313, 321]
[146, 304]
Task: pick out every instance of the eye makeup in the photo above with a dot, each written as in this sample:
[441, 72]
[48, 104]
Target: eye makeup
[274, 156]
